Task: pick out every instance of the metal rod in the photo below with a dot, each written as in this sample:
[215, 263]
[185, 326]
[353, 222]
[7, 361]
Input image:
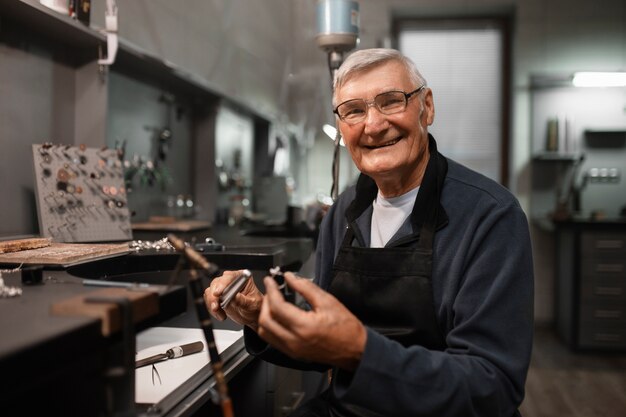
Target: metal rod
[197, 261]
[234, 287]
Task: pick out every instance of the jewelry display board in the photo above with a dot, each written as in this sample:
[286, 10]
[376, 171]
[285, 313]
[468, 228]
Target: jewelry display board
[80, 194]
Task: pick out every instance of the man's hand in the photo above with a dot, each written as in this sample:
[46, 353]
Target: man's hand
[244, 307]
[329, 333]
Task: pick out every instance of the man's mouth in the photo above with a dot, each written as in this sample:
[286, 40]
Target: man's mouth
[383, 145]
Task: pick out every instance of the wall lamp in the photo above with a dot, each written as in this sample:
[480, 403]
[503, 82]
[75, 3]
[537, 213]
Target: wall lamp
[331, 132]
[599, 79]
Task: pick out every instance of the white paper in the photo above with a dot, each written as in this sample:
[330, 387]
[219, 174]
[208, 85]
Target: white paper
[173, 372]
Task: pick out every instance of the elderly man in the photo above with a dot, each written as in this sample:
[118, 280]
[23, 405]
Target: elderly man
[424, 297]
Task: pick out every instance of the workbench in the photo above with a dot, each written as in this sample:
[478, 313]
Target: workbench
[56, 363]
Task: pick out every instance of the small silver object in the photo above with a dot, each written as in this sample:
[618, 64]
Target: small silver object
[161, 244]
[7, 291]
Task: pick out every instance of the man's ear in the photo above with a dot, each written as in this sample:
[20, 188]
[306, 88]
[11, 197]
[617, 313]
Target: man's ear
[429, 106]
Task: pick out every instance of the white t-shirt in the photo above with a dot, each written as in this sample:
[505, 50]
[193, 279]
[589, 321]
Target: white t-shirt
[388, 216]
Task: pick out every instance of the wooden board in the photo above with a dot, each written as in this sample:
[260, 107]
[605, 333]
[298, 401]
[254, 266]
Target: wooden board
[17, 245]
[145, 304]
[65, 253]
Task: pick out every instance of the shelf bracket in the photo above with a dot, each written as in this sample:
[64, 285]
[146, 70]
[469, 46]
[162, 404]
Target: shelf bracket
[110, 16]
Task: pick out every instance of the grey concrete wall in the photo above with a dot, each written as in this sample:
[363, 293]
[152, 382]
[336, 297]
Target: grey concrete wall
[239, 47]
[36, 96]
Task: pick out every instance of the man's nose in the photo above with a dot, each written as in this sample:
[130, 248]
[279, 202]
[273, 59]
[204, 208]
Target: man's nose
[375, 121]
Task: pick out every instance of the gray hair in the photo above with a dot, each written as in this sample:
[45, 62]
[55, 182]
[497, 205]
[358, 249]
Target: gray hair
[365, 59]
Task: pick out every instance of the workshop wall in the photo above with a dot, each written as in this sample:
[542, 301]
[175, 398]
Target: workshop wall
[236, 47]
[36, 86]
[263, 54]
[556, 37]
[240, 47]
[154, 128]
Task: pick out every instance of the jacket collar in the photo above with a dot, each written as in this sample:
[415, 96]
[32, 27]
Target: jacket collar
[427, 198]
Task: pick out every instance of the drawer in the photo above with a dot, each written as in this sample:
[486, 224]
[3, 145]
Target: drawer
[598, 313]
[594, 243]
[604, 336]
[608, 266]
[603, 287]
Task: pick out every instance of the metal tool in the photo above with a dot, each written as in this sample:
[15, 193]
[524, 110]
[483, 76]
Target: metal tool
[234, 287]
[171, 353]
[105, 283]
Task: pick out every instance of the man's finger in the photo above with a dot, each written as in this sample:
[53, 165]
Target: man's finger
[309, 291]
[287, 314]
[219, 284]
[211, 303]
[270, 330]
[271, 288]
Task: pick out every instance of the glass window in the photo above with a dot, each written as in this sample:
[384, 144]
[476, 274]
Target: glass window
[462, 62]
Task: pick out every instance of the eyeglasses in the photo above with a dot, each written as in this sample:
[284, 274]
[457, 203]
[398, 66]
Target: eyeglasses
[354, 111]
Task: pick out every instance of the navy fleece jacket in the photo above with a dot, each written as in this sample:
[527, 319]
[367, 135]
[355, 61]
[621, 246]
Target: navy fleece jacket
[483, 294]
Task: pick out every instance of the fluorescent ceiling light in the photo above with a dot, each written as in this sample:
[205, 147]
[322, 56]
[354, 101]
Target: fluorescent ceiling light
[331, 132]
[599, 79]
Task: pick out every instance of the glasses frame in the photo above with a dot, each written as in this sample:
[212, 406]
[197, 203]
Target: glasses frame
[371, 103]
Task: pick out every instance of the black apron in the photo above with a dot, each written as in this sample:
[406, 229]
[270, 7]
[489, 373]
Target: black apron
[389, 289]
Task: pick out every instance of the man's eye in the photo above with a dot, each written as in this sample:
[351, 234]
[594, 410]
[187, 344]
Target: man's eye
[353, 111]
[387, 102]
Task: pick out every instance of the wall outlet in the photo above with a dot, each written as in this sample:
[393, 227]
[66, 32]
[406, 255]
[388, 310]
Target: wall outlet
[604, 175]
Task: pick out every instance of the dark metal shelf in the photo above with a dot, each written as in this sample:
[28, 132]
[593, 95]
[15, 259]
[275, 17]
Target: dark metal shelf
[84, 42]
[44, 21]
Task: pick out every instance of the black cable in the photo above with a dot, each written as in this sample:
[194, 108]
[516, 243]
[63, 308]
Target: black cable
[334, 190]
[333, 66]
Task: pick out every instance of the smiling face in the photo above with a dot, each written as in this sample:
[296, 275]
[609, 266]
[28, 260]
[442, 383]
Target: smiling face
[392, 149]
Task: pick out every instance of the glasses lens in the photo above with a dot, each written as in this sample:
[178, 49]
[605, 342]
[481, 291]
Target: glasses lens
[391, 102]
[352, 111]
